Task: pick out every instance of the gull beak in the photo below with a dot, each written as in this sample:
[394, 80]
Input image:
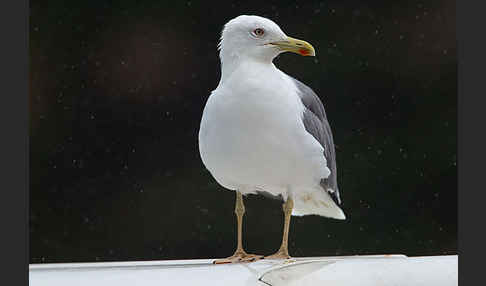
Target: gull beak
[295, 46]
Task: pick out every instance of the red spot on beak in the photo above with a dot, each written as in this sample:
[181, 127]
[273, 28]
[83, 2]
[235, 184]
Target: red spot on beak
[304, 52]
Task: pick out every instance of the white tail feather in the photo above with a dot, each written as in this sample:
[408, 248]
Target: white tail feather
[316, 202]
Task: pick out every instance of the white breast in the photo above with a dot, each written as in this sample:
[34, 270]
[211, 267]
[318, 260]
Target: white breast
[252, 136]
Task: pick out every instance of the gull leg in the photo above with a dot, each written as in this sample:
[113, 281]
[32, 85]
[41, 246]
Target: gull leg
[240, 255]
[283, 252]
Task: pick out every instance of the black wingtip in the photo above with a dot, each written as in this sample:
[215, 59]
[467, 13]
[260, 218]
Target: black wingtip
[334, 194]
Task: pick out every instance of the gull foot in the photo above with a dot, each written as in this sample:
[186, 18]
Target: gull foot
[281, 254]
[239, 256]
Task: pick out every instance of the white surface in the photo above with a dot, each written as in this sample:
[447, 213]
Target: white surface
[387, 270]
[252, 137]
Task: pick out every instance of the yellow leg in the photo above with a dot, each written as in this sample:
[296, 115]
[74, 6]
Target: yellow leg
[240, 255]
[283, 252]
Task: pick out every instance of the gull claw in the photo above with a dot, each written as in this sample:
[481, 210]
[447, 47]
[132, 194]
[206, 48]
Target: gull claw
[239, 257]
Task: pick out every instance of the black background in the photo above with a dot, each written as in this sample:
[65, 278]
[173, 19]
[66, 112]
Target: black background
[117, 91]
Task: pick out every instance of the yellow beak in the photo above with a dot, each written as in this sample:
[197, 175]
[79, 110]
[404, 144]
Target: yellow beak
[295, 46]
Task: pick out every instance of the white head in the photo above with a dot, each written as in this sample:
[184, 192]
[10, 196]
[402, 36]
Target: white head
[257, 38]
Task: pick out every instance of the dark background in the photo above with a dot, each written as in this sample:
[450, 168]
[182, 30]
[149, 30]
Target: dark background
[117, 90]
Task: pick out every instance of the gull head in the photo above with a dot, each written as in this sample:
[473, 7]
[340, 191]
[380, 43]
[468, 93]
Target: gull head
[254, 37]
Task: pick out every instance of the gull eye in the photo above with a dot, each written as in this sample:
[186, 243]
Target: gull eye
[258, 32]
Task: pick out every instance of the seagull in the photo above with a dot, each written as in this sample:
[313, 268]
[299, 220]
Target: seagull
[265, 132]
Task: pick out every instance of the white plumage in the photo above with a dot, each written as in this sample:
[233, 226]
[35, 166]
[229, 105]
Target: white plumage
[252, 135]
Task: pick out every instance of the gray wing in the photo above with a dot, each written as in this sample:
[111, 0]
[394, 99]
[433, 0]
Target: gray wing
[315, 122]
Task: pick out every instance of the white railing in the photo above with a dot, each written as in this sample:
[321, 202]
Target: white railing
[397, 270]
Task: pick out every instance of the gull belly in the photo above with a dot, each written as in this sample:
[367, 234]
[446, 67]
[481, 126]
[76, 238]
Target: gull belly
[252, 137]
